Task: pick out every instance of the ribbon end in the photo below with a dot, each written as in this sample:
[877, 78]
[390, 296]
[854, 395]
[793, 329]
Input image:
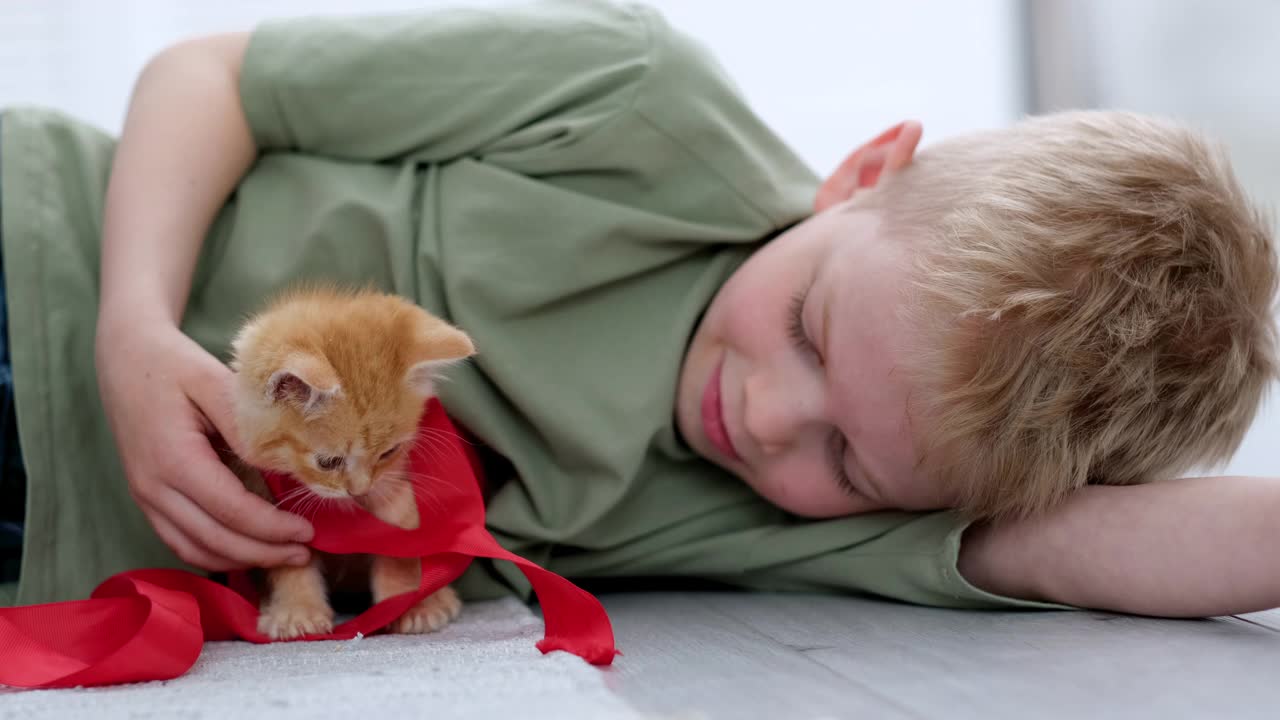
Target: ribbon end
[593, 653]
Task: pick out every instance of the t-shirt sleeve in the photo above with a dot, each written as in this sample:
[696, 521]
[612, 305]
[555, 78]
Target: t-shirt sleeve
[902, 556]
[432, 86]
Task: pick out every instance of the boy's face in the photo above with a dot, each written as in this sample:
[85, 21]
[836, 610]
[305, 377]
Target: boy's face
[810, 407]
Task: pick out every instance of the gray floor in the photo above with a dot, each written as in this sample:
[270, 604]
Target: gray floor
[739, 656]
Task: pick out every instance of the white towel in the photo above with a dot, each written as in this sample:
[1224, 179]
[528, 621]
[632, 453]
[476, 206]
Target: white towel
[482, 666]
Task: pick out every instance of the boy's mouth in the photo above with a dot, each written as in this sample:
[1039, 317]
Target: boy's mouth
[713, 415]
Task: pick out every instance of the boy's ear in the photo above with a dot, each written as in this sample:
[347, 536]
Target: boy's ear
[892, 150]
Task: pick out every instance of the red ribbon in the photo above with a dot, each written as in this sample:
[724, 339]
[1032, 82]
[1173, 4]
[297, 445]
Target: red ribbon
[150, 624]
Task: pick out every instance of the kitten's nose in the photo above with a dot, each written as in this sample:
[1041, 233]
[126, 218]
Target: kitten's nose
[358, 485]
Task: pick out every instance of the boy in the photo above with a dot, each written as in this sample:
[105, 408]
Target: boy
[988, 326]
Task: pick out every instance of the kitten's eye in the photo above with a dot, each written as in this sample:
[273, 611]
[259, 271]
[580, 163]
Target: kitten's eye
[390, 452]
[328, 462]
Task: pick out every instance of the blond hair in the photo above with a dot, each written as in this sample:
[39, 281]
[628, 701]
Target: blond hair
[1095, 294]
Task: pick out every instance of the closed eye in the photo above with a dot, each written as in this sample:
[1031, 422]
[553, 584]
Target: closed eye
[328, 462]
[795, 326]
[387, 455]
[837, 445]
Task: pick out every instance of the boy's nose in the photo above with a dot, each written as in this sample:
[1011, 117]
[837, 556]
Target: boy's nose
[775, 412]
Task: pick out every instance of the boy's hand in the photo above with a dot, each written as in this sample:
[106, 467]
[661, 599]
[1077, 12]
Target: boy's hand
[186, 144]
[166, 398]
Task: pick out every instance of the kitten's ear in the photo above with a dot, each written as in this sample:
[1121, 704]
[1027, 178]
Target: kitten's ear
[306, 382]
[439, 346]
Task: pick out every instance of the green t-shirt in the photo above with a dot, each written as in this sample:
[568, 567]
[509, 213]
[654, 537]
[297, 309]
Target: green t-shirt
[568, 182]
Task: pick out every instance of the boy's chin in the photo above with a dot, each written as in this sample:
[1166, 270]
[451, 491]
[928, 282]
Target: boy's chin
[705, 450]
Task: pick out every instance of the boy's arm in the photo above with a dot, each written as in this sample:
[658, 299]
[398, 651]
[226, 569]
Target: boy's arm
[184, 147]
[1193, 547]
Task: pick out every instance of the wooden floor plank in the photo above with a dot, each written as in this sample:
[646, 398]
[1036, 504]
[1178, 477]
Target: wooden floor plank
[761, 655]
[1269, 619]
[683, 659]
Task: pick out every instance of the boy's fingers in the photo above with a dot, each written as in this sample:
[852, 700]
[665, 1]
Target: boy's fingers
[187, 549]
[242, 550]
[217, 491]
[211, 394]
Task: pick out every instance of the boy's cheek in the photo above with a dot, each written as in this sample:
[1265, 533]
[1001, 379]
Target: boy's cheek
[754, 317]
[794, 485]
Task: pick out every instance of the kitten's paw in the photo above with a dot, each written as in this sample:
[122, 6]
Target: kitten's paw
[432, 613]
[284, 621]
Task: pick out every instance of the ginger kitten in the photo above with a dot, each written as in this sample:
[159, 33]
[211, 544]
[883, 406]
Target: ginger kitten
[330, 387]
